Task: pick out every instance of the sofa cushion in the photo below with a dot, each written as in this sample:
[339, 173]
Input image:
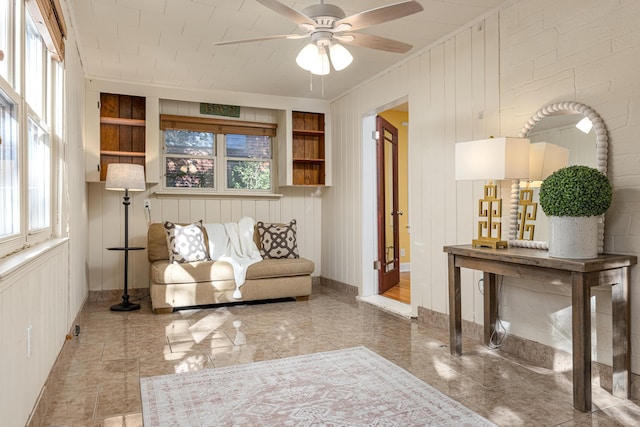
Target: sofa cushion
[278, 240]
[164, 272]
[186, 243]
[280, 268]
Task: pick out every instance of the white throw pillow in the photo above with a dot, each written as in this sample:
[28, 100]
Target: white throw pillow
[186, 242]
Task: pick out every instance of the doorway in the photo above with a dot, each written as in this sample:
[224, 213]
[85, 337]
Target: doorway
[394, 274]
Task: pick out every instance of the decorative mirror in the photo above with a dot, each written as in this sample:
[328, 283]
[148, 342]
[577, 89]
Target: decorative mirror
[552, 124]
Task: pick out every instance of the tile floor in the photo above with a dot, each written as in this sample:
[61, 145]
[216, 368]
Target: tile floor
[99, 370]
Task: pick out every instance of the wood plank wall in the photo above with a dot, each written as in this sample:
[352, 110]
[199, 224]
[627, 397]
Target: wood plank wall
[453, 96]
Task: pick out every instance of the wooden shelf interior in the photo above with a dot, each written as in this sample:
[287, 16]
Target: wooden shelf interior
[122, 130]
[308, 148]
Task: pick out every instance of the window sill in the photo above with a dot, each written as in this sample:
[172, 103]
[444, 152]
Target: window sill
[187, 193]
[13, 262]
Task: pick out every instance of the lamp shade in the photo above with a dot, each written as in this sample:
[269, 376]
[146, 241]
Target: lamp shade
[340, 56]
[125, 176]
[545, 159]
[493, 158]
[314, 58]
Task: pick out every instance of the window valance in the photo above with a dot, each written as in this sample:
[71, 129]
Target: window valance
[48, 17]
[219, 126]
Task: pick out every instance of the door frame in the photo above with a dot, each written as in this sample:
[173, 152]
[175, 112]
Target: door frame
[369, 215]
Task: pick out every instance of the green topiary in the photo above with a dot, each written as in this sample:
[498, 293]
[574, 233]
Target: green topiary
[575, 191]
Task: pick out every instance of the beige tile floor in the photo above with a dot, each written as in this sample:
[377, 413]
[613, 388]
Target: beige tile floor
[99, 370]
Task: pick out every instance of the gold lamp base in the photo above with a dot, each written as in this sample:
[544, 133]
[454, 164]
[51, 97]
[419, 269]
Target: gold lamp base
[489, 242]
[490, 208]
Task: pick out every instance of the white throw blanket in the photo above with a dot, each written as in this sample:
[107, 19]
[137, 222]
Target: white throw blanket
[233, 243]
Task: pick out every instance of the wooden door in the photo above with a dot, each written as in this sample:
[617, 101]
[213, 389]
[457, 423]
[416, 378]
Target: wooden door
[388, 213]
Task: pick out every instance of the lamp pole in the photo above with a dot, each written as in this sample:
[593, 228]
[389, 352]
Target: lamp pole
[125, 305]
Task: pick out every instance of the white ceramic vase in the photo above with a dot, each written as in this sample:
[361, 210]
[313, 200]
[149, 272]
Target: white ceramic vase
[573, 237]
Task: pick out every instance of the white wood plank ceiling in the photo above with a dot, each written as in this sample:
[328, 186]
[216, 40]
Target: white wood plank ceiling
[170, 43]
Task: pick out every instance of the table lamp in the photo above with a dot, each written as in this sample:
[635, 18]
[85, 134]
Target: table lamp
[125, 177]
[544, 159]
[491, 159]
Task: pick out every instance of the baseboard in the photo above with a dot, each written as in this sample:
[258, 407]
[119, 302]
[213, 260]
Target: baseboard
[343, 288]
[115, 295]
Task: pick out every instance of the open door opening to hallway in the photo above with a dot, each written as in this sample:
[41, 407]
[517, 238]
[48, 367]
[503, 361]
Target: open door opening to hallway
[392, 211]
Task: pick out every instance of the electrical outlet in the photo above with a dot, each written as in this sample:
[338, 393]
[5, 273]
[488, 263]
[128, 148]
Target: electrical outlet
[401, 251]
[147, 203]
[29, 329]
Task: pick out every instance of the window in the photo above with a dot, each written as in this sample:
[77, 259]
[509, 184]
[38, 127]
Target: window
[189, 159]
[9, 169]
[248, 160]
[35, 69]
[31, 130]
[217, 155]
[39, 167]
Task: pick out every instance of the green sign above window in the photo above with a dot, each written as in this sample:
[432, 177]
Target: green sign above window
[220, 110]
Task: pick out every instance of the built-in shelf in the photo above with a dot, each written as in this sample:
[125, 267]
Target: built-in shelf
[308, 148]
[122, 130]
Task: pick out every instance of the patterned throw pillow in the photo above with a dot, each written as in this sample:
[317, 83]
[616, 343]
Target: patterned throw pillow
[185, 242]
[278, 240]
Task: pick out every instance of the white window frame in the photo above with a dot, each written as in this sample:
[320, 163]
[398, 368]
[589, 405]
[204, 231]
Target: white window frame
[220, 159]
[48, 119]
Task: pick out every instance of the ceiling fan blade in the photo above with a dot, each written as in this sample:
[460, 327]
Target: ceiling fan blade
[379, 15]
[292, 14]
[259, 39]
[374, 42]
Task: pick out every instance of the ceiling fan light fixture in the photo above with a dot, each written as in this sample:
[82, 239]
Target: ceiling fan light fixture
[321, 65]
[314, 58]
[307, 56]
[340, 56]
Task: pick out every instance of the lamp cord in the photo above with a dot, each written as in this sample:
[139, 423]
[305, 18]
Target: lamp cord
[499, 332]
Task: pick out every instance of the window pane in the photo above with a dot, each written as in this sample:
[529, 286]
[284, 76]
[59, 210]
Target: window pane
[189, 143]
[39, 168]
[189, 172]
[34, 68]
[4, 37]
[248, 175]
[248, 146]
[9, 161]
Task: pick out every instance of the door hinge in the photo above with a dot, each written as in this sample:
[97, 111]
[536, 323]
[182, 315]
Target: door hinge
[375, 135]
[377, 265]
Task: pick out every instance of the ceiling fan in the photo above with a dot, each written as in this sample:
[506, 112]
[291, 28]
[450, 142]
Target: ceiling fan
[327, 24]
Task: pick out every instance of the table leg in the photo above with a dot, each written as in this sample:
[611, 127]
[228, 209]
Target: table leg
[620, 306]
[455, 318]
[581, 326]
[490, 306]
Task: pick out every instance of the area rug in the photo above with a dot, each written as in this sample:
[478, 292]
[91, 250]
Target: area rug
[351, 387]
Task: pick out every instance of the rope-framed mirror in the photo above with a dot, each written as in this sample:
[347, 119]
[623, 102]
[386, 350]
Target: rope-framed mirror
[601, 151]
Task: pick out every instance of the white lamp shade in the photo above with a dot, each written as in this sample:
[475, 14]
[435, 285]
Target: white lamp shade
[493, 158]
[125, 176]
[340, 57]
[545, 159]
[306, 57]
[314, 58]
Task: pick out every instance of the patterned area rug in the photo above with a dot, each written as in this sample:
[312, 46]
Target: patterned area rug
[351, 387]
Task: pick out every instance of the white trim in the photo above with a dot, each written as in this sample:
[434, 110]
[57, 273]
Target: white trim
[388, 304]
[369, 209]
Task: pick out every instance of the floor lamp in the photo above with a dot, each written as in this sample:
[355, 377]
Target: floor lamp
[125, 177]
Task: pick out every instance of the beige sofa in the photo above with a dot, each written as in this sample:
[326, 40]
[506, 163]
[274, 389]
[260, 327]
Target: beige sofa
[174, 285]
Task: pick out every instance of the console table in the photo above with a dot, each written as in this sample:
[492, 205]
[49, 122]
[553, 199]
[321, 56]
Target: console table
[580, 274]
